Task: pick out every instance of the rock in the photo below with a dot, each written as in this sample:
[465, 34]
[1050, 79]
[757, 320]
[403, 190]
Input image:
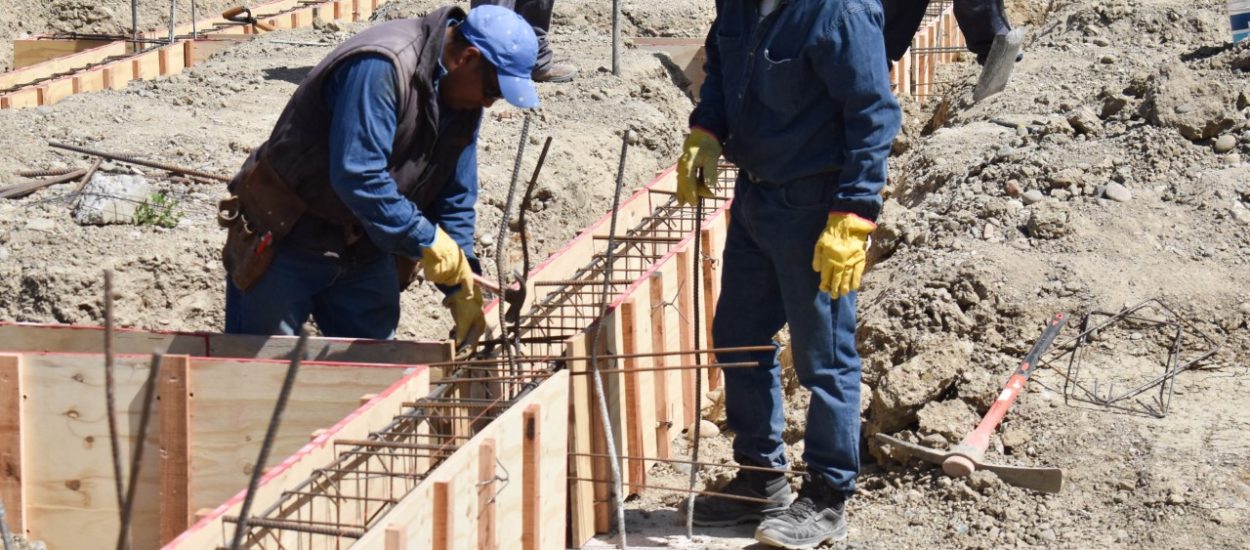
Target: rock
[1016, 438]
[983, 481]
[1084, 121]
[1200, 108]
[950, 419]
[1032, 196]
[1012, 188]
[1240, 213]
[4, 253]
[1101, 42]
[111, 199]
[1107, 59]
[1060, 194]
[905, 388]
[1117, 192]
[40, 224]
[1048, 221]
[1225, 143]
[1065, 178]
[706, 429]
[1112, 105]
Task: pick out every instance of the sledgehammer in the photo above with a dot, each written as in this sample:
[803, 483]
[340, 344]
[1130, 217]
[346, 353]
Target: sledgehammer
[514, 297]
[966, 457]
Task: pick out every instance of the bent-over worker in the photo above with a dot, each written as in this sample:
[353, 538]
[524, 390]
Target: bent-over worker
[372, 167]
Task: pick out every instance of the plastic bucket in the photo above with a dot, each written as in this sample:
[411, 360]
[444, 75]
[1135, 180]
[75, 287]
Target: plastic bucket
[1239, 18]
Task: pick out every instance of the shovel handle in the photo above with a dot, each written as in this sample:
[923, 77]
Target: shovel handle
[233, 12]
[487, 284]
[965, 455]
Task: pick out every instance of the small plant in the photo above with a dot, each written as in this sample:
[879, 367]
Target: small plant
[159, 210]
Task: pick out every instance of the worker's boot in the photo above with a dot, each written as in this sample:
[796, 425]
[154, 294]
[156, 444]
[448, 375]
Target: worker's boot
[817, 517]
[556, 71]
[713, 511]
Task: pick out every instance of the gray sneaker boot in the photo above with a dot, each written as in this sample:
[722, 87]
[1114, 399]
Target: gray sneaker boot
[714, 511]
[817, 517]
[556, 71]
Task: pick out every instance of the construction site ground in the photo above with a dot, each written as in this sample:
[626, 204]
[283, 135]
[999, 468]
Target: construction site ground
[1111, 171]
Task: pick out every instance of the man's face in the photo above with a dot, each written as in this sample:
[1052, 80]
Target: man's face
[470, 81]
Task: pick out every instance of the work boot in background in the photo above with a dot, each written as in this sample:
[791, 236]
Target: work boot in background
[817, 517]
[712, 511]
[556, 71]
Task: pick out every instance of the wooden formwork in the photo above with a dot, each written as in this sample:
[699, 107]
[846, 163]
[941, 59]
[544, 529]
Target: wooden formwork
[208, 421]
[49, 69]
[935, 44]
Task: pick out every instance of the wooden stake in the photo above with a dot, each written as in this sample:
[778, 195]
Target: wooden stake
[531, 478]
[486, 495]
[685, 304]
[175, 425]
[11, 449]
[634, 424]
[396, 538]
[663, 418]
[444, 521]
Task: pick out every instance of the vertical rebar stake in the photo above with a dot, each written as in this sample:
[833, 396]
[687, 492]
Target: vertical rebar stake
[523, 229]
[616, 37]
[240, 529]
[173, 4]
[698, 372]
[596, 330]
[110, 400]
[149, 395]
[134, 24]
[501, 247]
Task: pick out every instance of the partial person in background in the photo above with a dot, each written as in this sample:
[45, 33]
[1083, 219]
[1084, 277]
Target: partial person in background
[538, 14]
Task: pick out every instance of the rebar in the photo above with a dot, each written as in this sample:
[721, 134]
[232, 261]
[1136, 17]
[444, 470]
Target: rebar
[136, 459]
[139, 162]
[596, 329]
[500, 253]
[259, 468]
[173, 16]
[45, 173]
[698, 380]
[616, 71]
[783, 471]
[692, 492]
[296, 526]
[110, 401]
[523, 229]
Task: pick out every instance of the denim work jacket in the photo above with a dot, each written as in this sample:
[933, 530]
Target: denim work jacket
[803, 93]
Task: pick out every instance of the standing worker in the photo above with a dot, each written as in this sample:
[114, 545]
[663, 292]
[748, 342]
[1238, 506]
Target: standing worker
[798, 96]
[538, 14]
[372, 167]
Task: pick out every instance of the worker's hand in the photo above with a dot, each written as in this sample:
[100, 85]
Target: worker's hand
[840, 253]
[701, 150]
[466, 310]
[444, 262]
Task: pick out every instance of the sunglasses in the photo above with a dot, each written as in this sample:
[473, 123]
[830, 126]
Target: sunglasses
[490, 81]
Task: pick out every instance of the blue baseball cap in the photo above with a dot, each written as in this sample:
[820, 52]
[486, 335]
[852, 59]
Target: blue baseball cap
[508, 43]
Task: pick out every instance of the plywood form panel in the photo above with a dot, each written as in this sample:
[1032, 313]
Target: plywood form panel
[12, 493]
[458, 477]
[206, 534]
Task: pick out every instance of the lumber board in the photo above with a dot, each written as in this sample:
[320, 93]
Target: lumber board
[12, 449]
[230, 418]
[71, 483]
[581, 493]
[56, 90]
[486, 487]
[667, 384]
[41, 58]
[147, 65]
[454, 483]
[207, 533]
[26, 337]
[639, 386]
[532, 522]
[174, 394]
[89, 81]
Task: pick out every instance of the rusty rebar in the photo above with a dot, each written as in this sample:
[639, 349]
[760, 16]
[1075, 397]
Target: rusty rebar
[680, 490]
[297, 526]
[783, 471]
[557, 358]
[110, 400]
[698, 380]
[139, 162]
[136, 459]
[45, 173]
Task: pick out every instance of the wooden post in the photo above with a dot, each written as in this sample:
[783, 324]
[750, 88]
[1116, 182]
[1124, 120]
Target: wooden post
[531, 478]
[685, 303]
[933, 61]
[4, 102]
[188, 53]
[356, 10]
[486, 495]
[41, 95]
[999, 64]
[444, 520]
[663, 418]
[710, 289]
[396, 538]
[165, 57]
[12, 492]
[174, 381]
[581, 493]
[634, 424]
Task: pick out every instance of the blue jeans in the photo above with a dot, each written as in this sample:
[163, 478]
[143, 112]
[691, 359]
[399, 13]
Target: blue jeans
[347, 300]
[768, 281]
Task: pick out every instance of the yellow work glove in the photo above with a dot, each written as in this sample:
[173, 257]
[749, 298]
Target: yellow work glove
[466, 310]
[444, 262]
[840, 253]
[701, 150]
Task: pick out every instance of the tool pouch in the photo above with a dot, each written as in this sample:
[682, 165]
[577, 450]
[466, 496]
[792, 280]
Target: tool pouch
[256, 219]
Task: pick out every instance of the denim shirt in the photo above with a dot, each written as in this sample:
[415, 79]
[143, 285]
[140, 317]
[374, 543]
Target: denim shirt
[803, 94]
[361, 95]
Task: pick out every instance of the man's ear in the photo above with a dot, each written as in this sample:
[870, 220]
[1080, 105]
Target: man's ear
[465, 56]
